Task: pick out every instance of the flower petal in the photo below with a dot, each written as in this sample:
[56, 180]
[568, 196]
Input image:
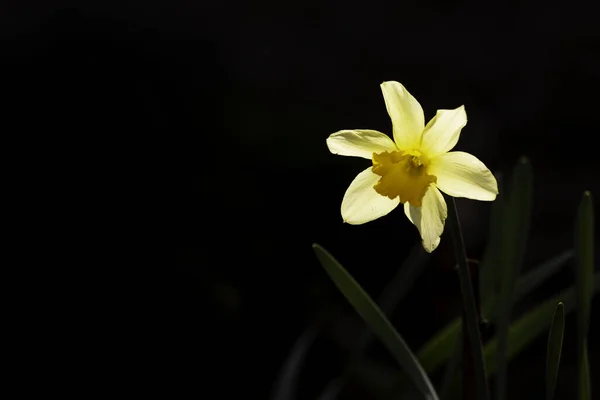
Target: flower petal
[442, 132]
[429, 218]
[406, 115]
[461, 174]
[359, 143]
[362, 203]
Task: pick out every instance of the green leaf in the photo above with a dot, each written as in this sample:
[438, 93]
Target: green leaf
[440, 347]
[471, 308]
[490, 264]
[585, 385]
[285, 386]
[397, 289]
[515, 229]
[523, 331]
[584, 255]
[452, 366]
[527, 328]
[555, 342]
[532, 280]
[377, 321]
[391, 295]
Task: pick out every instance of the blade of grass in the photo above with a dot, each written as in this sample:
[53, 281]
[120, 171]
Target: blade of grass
[554, 350]
[584, 254]
[439, 348]
[285, 386]
[472, 356]
[490, 265]
[490, 268]
[527, 328]
[403, 281]
[514, 237]
[452, 366]
[585, 384]
[397, 289]
[333, 388]
[521, 334]
[377, 321]
[533, 279]
[391, 295]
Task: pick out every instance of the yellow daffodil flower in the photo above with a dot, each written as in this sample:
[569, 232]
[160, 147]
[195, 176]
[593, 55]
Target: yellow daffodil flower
[413, 168]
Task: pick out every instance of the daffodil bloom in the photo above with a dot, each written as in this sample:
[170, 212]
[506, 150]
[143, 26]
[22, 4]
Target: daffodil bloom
[412, 168]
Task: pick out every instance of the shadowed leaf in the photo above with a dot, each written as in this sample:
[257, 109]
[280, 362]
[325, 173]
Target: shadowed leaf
[584, 255]
[514, 229]
[555, 342]
[377, 321]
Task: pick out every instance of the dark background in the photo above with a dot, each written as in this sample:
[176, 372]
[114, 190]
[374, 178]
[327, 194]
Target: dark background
[190, 139]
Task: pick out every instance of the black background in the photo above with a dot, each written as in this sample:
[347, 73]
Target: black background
[184, 144]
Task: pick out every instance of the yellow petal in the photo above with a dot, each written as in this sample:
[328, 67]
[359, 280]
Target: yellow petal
[442, 132]
[461, 174]
[406, 115]
[359, 143]
[429, 218]
[362, 203]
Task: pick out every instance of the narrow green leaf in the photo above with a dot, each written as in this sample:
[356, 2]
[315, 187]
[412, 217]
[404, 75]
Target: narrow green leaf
[285, 386]
[452, 366]
[470, 304]
[584, 254]
[585, 384]
[490, 273]
[333, 388]
[398, 287]
[439, 348]
[533, 279]
[554, 350]
[403, 281]
[490, 264]
[527, 328]
[514, 237]
[523, 331]
[377, 321]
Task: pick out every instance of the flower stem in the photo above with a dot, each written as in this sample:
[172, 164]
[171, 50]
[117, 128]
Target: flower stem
[473, 362]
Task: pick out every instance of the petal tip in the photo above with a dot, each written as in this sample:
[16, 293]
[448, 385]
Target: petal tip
[463, 110]
[430, 247]
[331, 148]
[350, 222]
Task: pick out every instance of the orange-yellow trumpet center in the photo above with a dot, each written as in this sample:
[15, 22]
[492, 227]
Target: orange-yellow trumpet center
[404, 174]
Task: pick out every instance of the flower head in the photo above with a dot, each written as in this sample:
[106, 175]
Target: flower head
[412, 168]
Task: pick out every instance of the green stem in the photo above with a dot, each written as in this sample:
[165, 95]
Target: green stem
[472, 342]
